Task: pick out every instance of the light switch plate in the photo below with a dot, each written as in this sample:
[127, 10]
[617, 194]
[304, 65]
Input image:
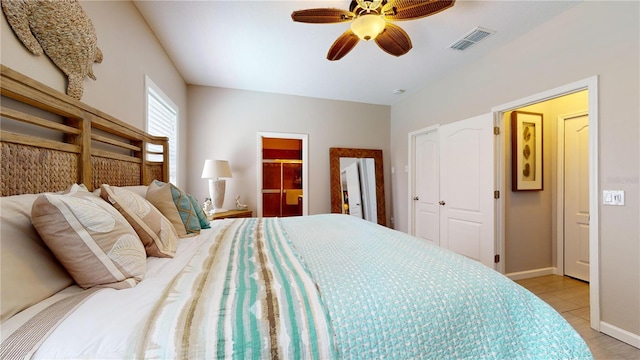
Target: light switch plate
[613, 197]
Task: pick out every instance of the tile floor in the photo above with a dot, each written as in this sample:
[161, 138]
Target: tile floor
[570, 298]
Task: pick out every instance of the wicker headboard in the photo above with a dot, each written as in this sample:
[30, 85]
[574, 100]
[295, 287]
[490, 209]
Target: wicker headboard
[50, 141]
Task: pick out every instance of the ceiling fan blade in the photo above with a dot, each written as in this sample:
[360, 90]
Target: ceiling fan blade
[343, 44]
[393, 40]
[414, 9]
[322, 16]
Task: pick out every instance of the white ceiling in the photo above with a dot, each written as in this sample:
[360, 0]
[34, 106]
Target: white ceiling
[254, 45]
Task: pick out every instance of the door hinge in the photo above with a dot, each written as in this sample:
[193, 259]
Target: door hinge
[496, 259]
[496, 130]
[496, 194]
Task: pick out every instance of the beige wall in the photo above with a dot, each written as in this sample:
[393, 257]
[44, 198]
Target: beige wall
[130, 50]
[224, 124]
[592, 38]
[530, 216]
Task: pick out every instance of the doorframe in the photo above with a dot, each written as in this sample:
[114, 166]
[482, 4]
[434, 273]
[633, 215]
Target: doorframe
[305, 167]
[411, 168]
[560, 189]
[590, 84]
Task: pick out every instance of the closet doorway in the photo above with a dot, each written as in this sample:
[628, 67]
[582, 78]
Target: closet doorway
[547, 230]
[282, 174]
[589, 203]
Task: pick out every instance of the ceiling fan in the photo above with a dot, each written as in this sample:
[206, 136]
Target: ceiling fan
[369, 20]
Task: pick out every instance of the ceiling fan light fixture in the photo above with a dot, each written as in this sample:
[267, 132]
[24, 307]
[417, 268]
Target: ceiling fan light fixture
[368, 26]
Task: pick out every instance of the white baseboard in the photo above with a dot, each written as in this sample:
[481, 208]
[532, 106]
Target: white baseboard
[620, 334]
[531, 273]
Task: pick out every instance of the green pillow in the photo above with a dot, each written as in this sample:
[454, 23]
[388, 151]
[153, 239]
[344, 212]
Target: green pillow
[202, 217]
[185, 208]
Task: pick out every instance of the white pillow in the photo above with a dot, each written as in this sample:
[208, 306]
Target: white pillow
[29, 273]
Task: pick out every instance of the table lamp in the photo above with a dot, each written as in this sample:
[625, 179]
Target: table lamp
[214, 170]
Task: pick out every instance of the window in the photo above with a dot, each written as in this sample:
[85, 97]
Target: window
[162, 120]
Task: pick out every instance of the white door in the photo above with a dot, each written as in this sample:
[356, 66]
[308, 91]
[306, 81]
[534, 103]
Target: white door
[353, 190]
[467, 188]
[426, 210]
[576, 197]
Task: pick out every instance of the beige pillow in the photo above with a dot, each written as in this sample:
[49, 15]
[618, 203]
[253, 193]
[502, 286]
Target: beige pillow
[184, 206]
[156, 232]
[90, 238]
[29, 273]
[138, 189]
[161, 198]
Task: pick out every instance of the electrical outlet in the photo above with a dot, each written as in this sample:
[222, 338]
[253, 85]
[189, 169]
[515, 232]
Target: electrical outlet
[613, 197]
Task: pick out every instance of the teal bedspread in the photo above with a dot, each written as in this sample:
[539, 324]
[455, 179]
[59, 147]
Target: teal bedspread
[313, 287]
[391, 295]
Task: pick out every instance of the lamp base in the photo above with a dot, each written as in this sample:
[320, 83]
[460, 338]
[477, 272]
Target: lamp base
[216, 191]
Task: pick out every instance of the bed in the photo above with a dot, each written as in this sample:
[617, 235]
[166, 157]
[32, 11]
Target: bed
[315, 287]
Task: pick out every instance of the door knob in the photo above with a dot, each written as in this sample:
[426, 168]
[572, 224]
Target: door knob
[441, 202]
[416, 198]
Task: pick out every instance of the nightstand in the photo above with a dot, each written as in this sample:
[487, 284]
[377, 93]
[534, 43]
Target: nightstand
[231, 214]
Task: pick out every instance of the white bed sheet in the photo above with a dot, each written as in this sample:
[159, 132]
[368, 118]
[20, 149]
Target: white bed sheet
[87, 334]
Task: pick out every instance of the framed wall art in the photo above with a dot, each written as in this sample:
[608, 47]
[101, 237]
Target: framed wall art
[526, 151]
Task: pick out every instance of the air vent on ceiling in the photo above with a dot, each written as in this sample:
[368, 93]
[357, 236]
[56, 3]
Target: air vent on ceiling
[471, 38]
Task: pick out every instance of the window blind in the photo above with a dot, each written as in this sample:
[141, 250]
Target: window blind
[162, 120]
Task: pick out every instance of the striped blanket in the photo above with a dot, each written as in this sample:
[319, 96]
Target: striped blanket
[246, 290]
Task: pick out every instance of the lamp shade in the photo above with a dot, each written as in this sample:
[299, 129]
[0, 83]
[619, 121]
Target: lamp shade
[214, 169]
[368, 26]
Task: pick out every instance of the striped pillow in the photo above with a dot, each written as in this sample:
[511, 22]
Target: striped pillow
[156, 232]
[90, 239]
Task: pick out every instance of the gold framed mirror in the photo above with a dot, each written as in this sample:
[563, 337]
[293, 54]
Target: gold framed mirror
[336, 175]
